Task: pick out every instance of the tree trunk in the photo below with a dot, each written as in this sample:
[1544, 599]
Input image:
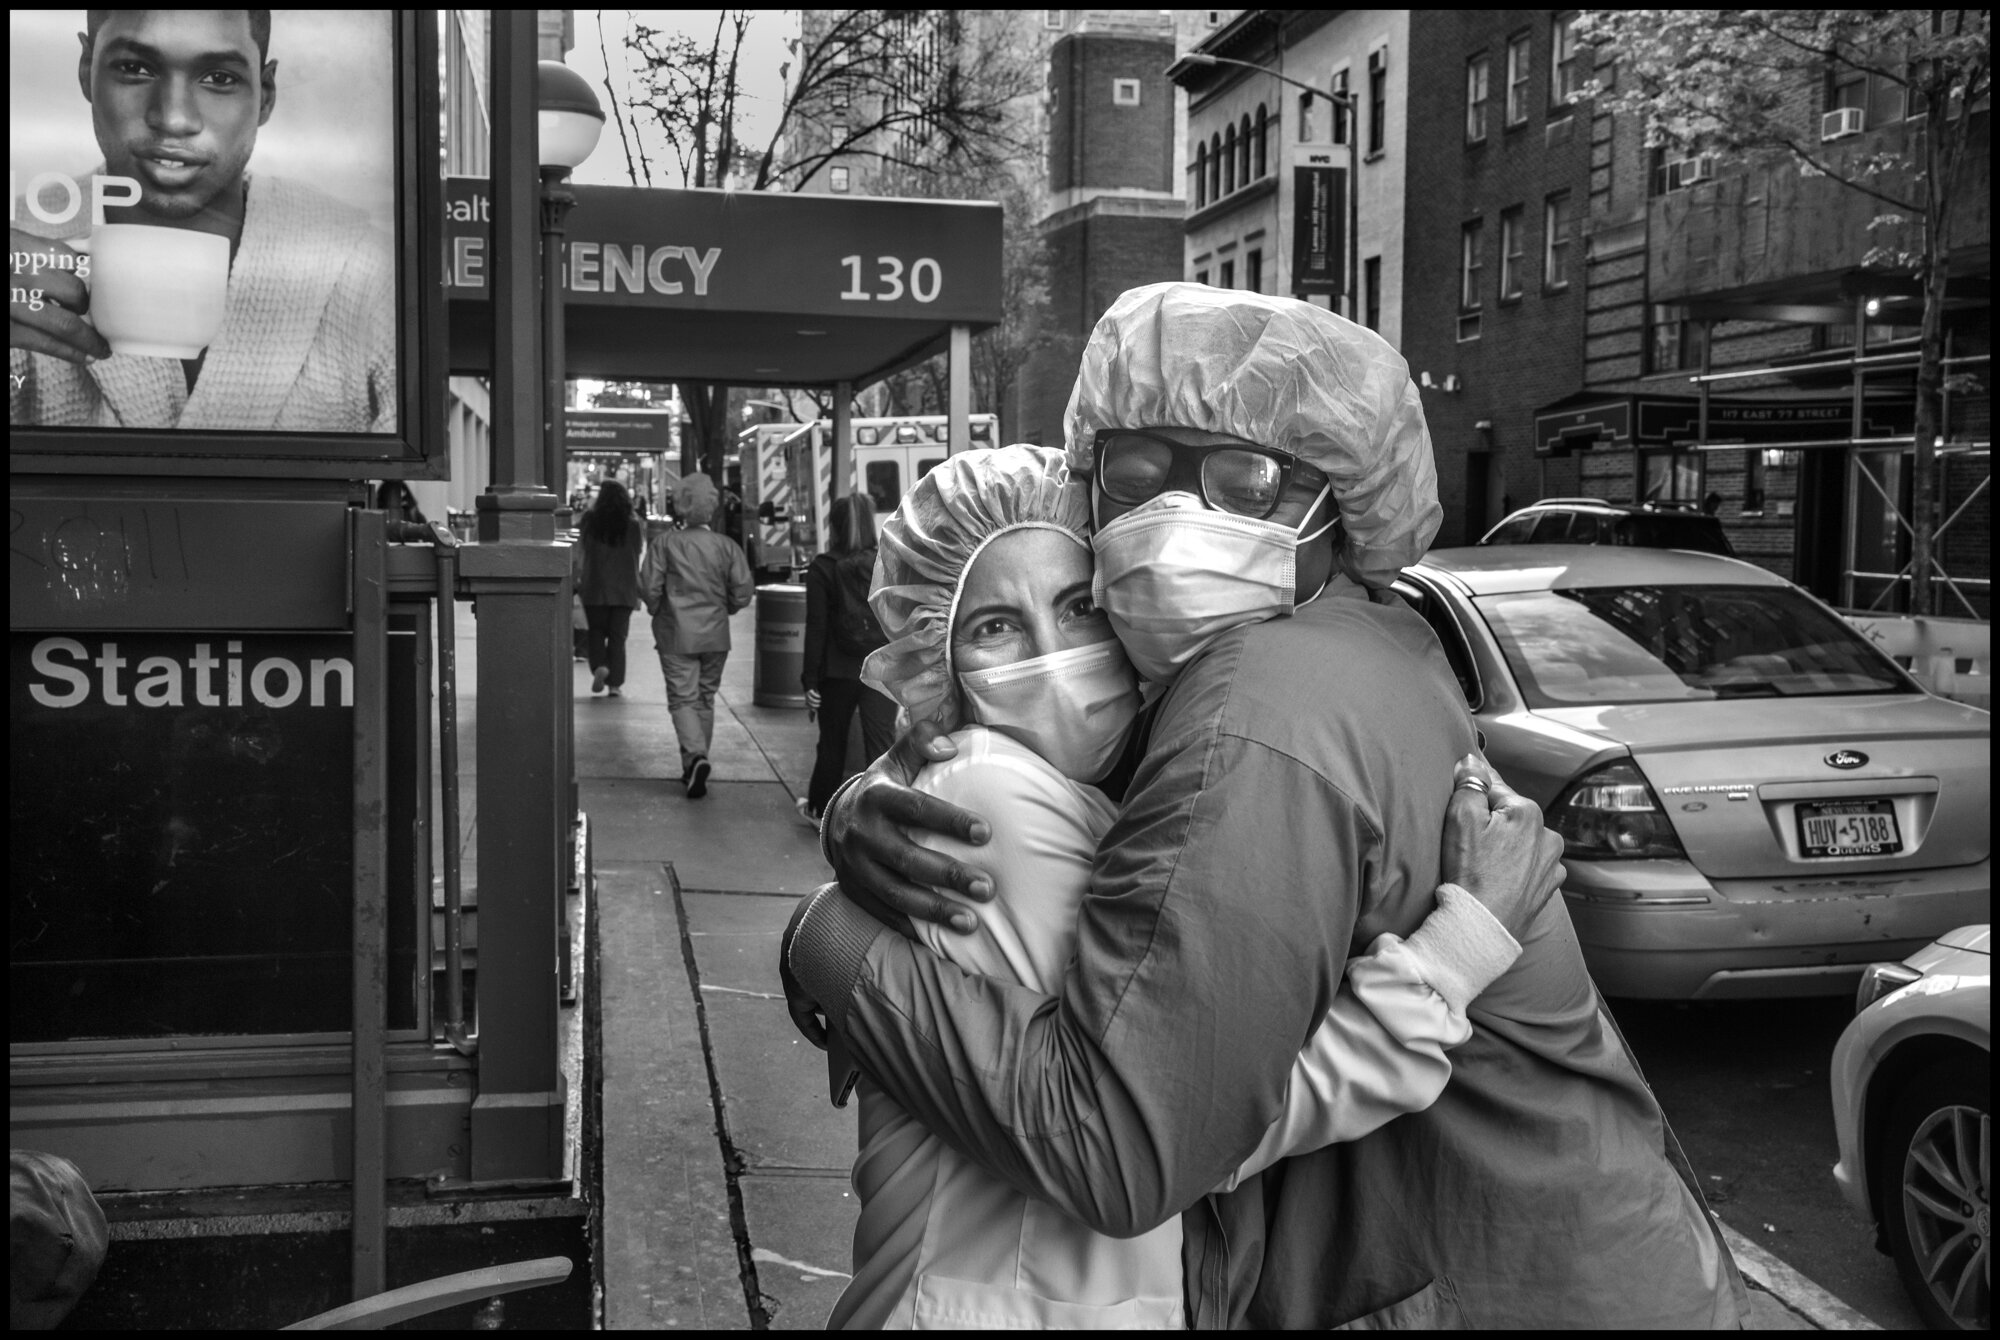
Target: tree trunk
[708, 424]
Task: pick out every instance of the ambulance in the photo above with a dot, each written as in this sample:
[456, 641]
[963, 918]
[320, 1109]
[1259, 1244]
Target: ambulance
[793, 474]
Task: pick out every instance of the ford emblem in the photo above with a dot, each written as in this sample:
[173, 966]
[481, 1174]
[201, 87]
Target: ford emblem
[1846, 758]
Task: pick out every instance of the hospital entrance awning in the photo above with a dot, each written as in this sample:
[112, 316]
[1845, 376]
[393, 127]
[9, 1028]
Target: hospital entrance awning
[751, 288]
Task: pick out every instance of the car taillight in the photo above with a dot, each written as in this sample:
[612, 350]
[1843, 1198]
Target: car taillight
[1610, 813]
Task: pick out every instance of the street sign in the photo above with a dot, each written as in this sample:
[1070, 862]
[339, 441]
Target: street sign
[619, 430]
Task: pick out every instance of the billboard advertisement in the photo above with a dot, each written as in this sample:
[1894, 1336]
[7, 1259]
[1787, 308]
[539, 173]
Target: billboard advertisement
[1319, 220]
[213, 234]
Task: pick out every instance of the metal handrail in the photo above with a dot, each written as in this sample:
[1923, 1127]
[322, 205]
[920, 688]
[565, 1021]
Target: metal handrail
[1865, 360]
[445, 544]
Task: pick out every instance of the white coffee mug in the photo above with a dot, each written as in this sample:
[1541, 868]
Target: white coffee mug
[157, 292]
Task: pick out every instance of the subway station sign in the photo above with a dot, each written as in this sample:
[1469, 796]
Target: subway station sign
[182, 841]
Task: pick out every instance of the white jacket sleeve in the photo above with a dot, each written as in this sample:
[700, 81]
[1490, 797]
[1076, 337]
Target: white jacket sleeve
[1380, 1051]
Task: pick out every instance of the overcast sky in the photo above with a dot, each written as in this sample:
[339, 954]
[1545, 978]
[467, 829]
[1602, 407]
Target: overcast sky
[600, 33]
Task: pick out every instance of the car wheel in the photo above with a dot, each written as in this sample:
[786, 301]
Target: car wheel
[1936, 1202]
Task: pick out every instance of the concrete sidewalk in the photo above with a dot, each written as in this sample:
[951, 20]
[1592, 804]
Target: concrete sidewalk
[726, 1196]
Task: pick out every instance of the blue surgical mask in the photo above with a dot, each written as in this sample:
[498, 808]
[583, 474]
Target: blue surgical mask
[1071, 707]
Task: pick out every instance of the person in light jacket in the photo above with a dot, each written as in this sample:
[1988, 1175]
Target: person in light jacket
[691, 582]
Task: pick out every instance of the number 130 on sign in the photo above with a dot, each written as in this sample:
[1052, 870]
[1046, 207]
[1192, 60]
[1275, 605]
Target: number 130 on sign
[926, 277]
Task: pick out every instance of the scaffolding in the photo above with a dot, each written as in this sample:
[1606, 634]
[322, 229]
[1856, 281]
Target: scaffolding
[1879, 469]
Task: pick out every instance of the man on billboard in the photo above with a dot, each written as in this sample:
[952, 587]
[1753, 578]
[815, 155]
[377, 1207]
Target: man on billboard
[303, 336]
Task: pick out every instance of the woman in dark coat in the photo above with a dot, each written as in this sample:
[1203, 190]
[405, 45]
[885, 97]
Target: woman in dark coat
[611, 541]
[833, 657]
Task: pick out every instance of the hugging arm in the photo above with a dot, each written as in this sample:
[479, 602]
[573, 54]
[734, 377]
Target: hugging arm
[1381, 1049]
[1207, 950]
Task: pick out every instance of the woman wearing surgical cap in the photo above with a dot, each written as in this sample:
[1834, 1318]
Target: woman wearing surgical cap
[1293, 802]
[691, 582]
[983, 584]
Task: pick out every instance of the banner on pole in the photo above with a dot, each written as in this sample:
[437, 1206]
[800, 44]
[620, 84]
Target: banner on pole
[1319, 219]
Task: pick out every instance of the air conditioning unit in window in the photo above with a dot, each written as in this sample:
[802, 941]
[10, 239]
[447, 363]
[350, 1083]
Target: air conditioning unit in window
[1688, 171]
[1840, 123]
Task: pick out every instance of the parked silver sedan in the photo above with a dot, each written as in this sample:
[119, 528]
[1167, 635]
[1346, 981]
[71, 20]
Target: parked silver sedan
[1756, 802]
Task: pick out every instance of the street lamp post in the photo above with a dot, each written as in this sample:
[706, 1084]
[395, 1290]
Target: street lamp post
[569, 121]
[1343, 100]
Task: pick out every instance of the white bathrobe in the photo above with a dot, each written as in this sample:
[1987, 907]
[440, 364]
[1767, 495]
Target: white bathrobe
[308, 343]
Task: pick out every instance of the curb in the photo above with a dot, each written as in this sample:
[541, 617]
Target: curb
[1791, 1288]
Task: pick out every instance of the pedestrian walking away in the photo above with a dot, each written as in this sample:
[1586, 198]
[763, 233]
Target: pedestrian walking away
[1260, 472]
[841, 630]
[610, 544]
[691, 582]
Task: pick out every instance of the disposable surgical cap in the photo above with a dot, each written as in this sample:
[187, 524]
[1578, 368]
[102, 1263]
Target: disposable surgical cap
[695, 498]
[1282, 373]
[926, 548]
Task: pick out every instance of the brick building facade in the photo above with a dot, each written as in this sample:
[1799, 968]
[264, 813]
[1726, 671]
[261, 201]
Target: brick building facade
[1566, 291]
[1115, 219]
[1494, 305]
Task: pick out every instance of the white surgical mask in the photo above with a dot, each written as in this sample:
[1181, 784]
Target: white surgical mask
[1071, 707]
[1173, 575]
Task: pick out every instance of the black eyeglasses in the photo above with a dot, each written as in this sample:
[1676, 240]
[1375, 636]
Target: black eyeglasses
[1135, 466]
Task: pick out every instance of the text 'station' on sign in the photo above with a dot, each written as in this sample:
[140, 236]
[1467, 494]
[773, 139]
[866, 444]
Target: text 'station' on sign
[1319, 219]
[182, 839]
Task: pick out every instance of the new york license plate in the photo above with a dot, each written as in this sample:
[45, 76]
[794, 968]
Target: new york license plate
[1849, 828]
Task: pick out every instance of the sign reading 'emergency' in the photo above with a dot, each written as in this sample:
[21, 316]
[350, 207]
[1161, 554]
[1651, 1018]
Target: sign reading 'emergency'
[755, 251]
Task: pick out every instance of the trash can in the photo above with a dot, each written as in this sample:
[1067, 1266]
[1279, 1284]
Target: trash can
[781, 646]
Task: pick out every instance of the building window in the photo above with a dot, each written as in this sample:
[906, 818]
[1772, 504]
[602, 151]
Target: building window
[1200, 175]
[1243, 151]
[1052, 19]
[1253, 271]
[1215, 167]
[1125, 92]
[1517, 79]
[1478, 81]
[1229, 161]
[1201, 276]
[1340, 107]
[1371, 293]
[837, 180]
[1305, 118]
[1225, 274]
[1673, 343]
[1263, 134]
[1510, 253]
[1882, 100]
[1378, 99]
[1769, 471]
[1556, 241]
[1471, 243]
[1565, 63]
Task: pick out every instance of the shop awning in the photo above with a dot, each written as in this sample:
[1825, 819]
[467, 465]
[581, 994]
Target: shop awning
[751, 288]
[1597, 420]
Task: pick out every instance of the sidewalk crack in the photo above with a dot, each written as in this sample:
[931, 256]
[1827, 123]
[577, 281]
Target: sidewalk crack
[732, 1159]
